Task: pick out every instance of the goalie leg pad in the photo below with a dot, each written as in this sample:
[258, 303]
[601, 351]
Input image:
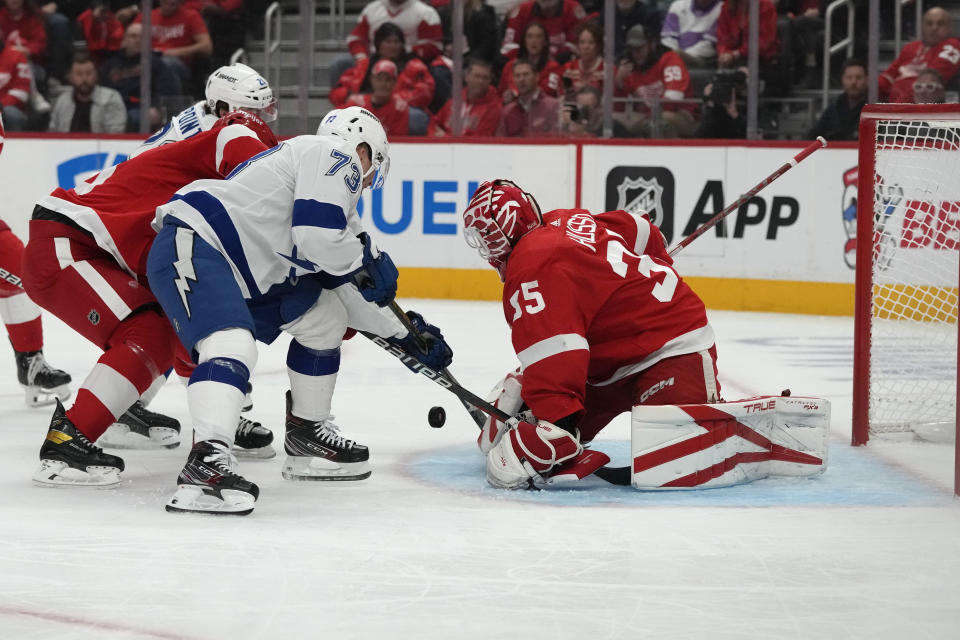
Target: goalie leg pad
[529, 451]
[718, 445]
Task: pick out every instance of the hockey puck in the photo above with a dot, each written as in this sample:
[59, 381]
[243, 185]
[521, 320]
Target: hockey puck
[437, 417]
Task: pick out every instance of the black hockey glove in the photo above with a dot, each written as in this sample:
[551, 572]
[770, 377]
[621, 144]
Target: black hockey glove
[437, 355]
[377, 278]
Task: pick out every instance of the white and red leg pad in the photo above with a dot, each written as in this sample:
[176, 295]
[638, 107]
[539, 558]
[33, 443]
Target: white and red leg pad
[718, 445]
[506, 397]
[528, 451]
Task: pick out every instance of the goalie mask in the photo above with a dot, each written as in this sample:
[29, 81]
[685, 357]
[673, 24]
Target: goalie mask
[357, 125]
[241, 88]
[498, 215]
[252, 122]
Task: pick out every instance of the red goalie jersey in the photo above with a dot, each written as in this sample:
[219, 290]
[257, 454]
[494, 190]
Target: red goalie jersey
[118, 205]
[595, 299]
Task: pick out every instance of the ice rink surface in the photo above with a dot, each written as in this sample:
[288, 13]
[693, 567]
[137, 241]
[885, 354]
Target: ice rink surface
[424, 549]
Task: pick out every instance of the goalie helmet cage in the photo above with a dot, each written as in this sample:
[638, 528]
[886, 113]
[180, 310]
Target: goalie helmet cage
[907, 271]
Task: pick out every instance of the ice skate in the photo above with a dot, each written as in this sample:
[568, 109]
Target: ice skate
[67, 457]
[253, 440]
[43, 385]
[140, 428]
[209, 483]
[317, 451]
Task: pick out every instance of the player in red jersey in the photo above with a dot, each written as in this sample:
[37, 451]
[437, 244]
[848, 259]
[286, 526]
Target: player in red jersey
[21, 317]
[86, 263]
[937, 50]
[600, 322]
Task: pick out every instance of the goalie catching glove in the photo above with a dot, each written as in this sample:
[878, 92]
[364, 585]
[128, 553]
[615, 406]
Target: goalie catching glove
[529, 449]
[430, 350]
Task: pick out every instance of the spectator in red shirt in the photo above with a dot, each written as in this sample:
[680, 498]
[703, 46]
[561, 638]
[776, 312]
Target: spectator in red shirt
[225, 23]
[533, 112]
[102, 31]
[393, 111]
[536, 50]
[559, 18]
[586, 70]
[414, 85]
[936, 50]
[733, 33]
[653, 73]
[181, 35]
[15, 80]
[480, 107]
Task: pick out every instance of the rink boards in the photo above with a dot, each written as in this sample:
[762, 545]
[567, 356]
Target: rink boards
[788, 249]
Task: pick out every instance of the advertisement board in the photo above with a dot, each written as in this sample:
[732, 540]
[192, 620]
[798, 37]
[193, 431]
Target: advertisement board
[788, 249]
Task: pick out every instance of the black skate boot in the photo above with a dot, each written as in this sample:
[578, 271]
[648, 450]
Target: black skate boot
[67, 457]
[253, 440]
[140, 428]
[317, 451]
[43, 384]
[209, 483]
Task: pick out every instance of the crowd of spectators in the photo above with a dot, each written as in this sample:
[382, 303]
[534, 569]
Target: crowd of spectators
[532, 67]
[536, 67]
[46, 82]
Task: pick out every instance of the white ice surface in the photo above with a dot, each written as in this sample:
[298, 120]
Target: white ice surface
[423, 549]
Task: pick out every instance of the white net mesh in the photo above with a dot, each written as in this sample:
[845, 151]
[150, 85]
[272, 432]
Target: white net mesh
[916, 206]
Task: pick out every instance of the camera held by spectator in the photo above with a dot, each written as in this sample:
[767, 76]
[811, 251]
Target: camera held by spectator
[725, 84]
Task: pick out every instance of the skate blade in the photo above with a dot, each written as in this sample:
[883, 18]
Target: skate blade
[55, 473]
[260, 453]
[193, 499]
[38, 397]
[119, 436]
[307, 468]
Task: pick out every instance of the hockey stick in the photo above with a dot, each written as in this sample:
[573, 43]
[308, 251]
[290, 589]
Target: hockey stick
[819, 143]
[472, 409]
[477, 405]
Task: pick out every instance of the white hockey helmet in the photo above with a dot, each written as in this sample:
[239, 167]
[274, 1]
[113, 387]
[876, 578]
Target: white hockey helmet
[356, 125]
[241, 88]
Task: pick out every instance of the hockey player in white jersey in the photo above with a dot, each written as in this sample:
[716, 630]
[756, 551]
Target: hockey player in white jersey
[279, 224]
[235, 87]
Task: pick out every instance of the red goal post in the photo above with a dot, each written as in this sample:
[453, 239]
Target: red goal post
[907, 272]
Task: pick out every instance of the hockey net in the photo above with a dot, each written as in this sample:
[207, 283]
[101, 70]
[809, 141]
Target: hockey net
[908, 266]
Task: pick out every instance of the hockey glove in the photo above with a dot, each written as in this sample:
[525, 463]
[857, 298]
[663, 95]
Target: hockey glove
[437, 354]
[529, 450]
[377, 278]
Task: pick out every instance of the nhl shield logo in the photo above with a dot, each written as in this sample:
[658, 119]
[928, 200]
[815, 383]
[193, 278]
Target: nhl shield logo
[93, 317]
[647, 190]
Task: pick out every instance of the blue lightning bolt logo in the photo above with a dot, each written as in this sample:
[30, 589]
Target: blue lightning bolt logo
[184, 265]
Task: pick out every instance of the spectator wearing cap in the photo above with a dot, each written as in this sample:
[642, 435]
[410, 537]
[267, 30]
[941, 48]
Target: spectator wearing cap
[586, 70]
[629, 13]
[88, 107]
[651, 73]
[733, 29]
[415, 84]
[533, 112]
[383, 102]
[928, 88]
[841, 119]
[690, 29]
[937, 49]
[536, 50]
[480, 107]
[558, 17]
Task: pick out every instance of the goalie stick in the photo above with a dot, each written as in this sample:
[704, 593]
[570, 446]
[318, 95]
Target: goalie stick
[819, 143]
